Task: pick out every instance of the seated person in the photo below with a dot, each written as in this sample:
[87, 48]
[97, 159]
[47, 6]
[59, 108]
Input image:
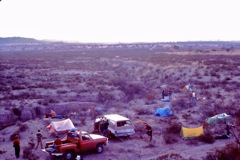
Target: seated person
[57, 142]
[54, 115]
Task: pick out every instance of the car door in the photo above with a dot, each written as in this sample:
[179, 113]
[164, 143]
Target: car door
[87, 143]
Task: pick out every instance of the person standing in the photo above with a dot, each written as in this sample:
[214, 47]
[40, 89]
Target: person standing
[148, 131]
[170, 95]
[39, 139]
[162, 94]
[105, 130]
[16, 145]
[193, 98]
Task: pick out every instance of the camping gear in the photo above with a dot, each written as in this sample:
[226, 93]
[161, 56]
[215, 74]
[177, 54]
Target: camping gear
[187, 88]
[163, 112]
[191, 132]
[224, 136]
[218, 118]
[61, 126]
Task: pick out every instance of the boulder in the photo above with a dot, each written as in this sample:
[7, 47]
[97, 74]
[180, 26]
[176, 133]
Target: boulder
[7, 118]
[26, 115]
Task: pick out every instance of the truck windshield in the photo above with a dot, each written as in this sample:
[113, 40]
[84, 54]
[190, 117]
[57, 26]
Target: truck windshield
[85, 137]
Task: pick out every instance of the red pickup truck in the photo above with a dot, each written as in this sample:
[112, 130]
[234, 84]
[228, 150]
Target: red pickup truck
[76, 142]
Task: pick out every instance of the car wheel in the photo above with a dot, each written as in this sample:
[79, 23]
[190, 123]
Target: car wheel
[69, 155]
[99, 148]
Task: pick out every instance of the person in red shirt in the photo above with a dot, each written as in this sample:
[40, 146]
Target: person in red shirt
[148, 130]
[16, 145]
[57, 142]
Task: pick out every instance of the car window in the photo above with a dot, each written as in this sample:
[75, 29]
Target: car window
[73, 135]
[123, 123]
[85, 137]
[128, 123]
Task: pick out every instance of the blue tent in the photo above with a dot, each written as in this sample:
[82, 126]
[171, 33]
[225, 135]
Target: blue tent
[163, 112]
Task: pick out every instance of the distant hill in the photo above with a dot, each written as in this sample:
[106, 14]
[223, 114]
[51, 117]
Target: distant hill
[198, 47]
[18, 40]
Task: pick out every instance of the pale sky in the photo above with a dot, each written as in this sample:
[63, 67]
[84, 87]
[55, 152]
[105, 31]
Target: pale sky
[121, 20]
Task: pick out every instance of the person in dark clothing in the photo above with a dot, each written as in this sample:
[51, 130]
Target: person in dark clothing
[39, 139]
[149, 131]
[105, 128]
[163, 94]
[16, 145]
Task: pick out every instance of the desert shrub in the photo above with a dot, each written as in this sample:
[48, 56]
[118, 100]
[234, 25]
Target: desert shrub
[212, 110]
[2, 151]
[83, 121]
[186, 116]
[28, 154]
[85, 108]
[62, 91]
[95, 114]
[207, 137]
[218, 95]
[131, 89]
[22, 127]
[150, 97]
[103, 97]
[143, 111]
[229, 152]
[180, 104]
[46, 101]
[172, 156]
[18, 87]
[174, 127]
[17, 111]
[169, 138]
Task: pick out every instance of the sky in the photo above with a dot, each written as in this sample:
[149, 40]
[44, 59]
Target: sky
[117, 21]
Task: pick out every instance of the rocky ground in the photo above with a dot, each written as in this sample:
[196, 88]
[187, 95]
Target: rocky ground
[126, 82]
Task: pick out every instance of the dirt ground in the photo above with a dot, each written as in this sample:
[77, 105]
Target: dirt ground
[123, 82]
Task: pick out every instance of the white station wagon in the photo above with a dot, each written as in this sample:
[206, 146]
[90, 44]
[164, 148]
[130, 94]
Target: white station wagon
[118, 125]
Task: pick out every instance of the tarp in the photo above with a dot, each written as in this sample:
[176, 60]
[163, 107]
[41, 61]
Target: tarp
[187, 88]
[163, 112]
[218, 118]
[191, 132]
[61, 126]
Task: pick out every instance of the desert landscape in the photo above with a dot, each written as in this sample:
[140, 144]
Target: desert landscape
[125, 79]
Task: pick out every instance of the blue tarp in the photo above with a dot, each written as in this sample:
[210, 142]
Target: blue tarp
[163, 112]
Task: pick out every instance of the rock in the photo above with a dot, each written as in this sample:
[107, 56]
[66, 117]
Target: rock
[7, 118]
[26, 115]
